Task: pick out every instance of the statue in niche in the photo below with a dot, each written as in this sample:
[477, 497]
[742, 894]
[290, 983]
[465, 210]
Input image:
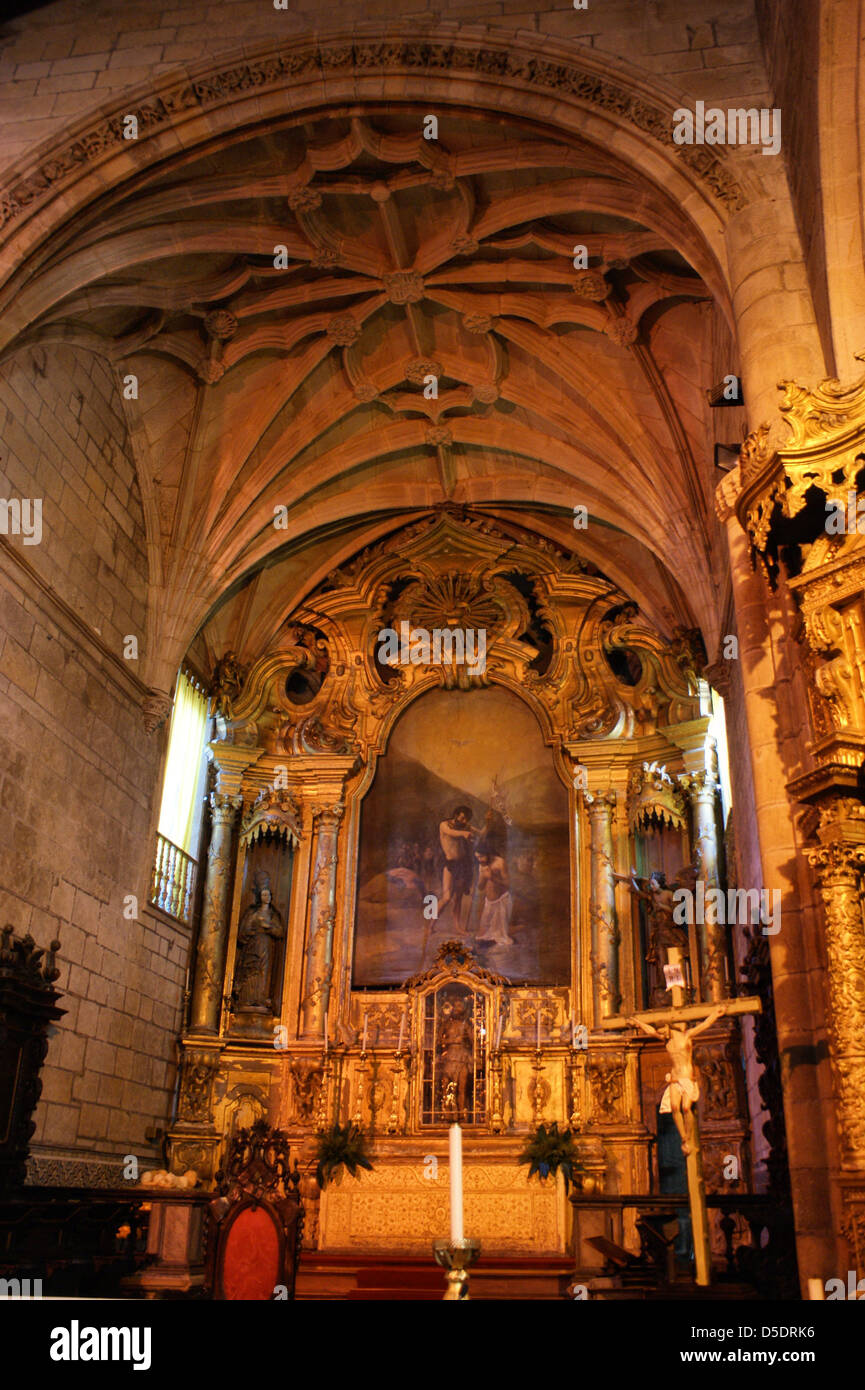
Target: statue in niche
[456, 1046]
[261, 926]
[657, 894]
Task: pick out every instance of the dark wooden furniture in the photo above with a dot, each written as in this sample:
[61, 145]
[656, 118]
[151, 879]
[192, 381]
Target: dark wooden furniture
[71, 1241]
[255, 1223]
[28, 1007]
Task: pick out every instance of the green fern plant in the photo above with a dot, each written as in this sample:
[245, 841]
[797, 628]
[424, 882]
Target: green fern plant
[341, 1146]
[549, 1151]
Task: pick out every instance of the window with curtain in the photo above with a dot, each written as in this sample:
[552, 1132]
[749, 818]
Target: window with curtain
[179, 812]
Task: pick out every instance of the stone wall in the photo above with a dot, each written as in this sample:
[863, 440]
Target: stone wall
[78, 768]
[74, 56]
[791, 40]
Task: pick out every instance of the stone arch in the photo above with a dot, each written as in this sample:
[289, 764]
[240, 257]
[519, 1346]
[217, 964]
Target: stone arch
[577, 92]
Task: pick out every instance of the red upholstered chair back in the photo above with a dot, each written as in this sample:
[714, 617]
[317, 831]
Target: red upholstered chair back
[255, 1224]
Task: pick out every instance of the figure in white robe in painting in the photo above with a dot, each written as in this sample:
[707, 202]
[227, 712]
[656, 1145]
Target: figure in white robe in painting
[494, 883]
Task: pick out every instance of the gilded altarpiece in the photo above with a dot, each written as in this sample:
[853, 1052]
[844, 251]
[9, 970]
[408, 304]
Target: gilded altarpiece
[403, 1001]
[802, 508]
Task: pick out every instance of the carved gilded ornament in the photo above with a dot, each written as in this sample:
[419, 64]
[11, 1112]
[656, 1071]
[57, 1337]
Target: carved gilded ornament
[839, 868]
[454, 959]
[448, 573]
[198, 1072]
[654, 799]
[396, 1205]
[607, 1082]
[853, 1224]
[827, 425]
[273, 809]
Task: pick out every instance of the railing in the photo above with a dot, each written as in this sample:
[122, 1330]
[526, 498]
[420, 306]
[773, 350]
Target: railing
[173, 880]
[755, 1230]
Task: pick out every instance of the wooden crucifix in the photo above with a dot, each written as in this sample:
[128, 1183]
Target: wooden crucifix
[671, 1026]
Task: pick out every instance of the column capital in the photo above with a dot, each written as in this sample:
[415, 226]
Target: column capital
[225, 806]
[156, 708]
[837, 862]
[231, 762]
[701, 784]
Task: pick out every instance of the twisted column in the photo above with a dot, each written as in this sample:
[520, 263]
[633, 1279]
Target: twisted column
[702, 793]
[839, 870]
[213, 934]
[605, 928]
[322, 915]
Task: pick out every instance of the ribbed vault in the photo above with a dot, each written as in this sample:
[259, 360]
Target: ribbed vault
[336, 324]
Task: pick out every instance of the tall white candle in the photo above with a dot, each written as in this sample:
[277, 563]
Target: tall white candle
[325, 1042]
[401, 1033]
[499, 1032]
[573, 1032]
[363, 1048]
[455, 1142]
[539, 1028]
[816, 1289]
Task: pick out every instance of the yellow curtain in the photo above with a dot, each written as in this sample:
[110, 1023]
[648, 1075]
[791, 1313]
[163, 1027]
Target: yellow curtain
[183, 764]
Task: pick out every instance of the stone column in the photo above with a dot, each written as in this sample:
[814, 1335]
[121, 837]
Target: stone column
[702, 793]
[320, 921]
[209, 984]
[605, 928]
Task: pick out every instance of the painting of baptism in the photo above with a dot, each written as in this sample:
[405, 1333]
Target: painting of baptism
[464, 836]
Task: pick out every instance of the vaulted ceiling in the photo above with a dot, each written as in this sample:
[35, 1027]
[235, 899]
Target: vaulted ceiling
[424, 337]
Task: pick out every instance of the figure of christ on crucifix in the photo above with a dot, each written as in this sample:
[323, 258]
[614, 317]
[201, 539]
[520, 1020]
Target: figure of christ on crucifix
[683, 1087]
[671, 1027]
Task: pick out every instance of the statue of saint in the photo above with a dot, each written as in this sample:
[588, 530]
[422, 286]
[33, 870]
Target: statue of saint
[260, 927]
[456, 1049]
[683, 1090]
[658, 897]
[226, 684]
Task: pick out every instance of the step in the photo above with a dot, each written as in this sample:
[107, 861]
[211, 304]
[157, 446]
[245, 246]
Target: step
[372, 1277]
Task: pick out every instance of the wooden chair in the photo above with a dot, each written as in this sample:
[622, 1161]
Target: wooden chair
[255, 1223]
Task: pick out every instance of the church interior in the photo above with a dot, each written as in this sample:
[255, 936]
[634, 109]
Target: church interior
[432, 650]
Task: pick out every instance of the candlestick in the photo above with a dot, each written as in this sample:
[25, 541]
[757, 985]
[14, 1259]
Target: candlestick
[496, 1122]
[539, 1067]
[576, 1120]
[361, 1073]
[363, 1048]
[455, 1142]
[455, 1259]
[325, 1042]
[321, 1117]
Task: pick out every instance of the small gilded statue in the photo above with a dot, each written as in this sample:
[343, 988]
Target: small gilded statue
[261, 926]
[226, 684]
